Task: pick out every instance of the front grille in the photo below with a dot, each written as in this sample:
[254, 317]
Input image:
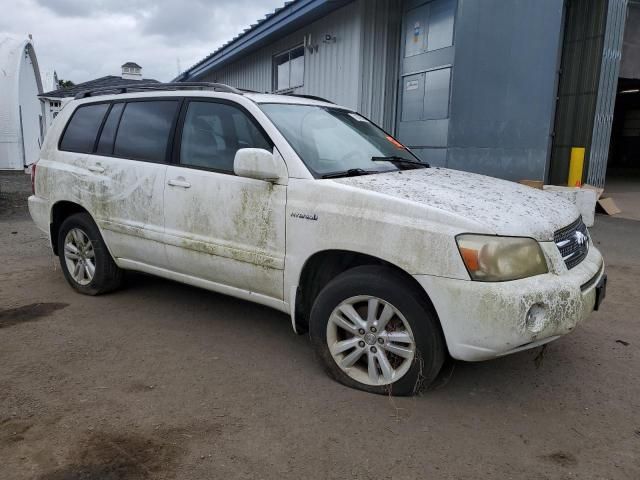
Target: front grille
[573, 243]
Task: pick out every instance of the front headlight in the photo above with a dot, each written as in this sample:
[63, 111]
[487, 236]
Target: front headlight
[498, 259]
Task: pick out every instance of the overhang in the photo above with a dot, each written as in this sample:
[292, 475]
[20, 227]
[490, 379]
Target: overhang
[293, 16]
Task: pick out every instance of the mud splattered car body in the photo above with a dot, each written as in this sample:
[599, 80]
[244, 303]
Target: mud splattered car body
[278, 236]
[411, 219]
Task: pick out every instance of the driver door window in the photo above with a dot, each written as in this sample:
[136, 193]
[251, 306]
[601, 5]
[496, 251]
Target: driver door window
[213, 133]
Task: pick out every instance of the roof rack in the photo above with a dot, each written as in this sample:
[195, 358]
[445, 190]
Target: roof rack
[140, 87]
[310, 97]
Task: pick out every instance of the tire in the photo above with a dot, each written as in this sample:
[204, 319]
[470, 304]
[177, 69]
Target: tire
[406, 318]
[77, 231]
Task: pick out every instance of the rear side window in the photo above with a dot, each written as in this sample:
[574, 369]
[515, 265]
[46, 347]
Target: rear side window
[144, 130]
[108, 135]
[82, 129]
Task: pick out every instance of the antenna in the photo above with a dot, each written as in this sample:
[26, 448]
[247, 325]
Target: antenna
[178, 64]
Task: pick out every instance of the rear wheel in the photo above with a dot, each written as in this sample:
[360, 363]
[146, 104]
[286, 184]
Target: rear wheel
[85, 260]
[373, 330]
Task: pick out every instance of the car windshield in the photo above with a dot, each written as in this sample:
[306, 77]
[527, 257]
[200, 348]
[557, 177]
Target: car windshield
[333, 142]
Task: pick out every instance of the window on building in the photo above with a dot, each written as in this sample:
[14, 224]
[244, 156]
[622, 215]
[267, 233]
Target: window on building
[214, 132]
[429, 27]
[289, 69]
[82, 129]
[144, 129]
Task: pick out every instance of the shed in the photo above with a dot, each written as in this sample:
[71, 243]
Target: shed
[21, 113]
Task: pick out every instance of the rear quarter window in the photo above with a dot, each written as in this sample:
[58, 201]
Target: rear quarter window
[105, 144]
[82, 129]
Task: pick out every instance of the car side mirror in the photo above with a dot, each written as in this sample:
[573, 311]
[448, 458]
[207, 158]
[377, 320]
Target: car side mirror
[259, 164]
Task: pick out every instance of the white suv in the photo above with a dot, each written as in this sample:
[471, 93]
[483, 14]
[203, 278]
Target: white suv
[309, 208]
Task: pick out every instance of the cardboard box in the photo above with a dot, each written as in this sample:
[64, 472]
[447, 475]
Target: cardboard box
[606, 204]
[533, 183]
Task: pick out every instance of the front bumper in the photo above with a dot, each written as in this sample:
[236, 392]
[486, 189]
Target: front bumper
[488, 320]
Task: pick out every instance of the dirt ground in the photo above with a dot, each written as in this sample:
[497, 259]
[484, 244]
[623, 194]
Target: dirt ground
[161, 380]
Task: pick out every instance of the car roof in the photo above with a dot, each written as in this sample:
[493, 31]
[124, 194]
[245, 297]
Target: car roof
[289, 99]
[195, 89]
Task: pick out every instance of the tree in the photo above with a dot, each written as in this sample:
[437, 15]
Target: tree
[66, 83]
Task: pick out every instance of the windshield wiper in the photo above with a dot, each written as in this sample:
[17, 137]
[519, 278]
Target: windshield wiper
[400, 160]
[352, 172]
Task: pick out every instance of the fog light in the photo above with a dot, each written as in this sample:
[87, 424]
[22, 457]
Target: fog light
[536, 318]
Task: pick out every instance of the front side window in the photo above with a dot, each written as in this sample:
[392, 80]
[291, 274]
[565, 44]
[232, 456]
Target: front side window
[144, 130]
[289, 69]
[80, 134]
[214, 132]
[332, 140]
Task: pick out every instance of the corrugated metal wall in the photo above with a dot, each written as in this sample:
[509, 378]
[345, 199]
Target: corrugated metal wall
[331, 72]
[381, 23]
[586, 95]
[367, 40]
[609, 70]
[630, 66]
[585, 22]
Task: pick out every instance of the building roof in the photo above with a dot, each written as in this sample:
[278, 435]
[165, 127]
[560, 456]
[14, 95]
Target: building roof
[12, 51]
[102, 82]
[131, 65]
[292, 16]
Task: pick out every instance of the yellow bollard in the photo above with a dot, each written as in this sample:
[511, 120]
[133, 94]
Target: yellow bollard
[576, 166]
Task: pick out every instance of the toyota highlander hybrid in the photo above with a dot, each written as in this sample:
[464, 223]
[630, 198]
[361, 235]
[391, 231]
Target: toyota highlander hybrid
[307, 207]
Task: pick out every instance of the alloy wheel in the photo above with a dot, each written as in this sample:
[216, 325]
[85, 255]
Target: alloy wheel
[370, 340]
[79, 256]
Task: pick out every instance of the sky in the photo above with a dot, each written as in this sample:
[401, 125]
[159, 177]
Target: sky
[86, 39]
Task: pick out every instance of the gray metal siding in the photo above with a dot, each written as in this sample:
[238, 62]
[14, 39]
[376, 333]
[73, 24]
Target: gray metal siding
[427, 55]
[630, 67]
[332, 72]
[381, 21]
[612, 52]
[504, 86]
[578, 88]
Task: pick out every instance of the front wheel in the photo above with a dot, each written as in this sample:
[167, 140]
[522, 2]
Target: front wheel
[374, 331]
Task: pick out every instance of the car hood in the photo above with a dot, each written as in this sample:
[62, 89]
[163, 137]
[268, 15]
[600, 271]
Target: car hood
[504, 207]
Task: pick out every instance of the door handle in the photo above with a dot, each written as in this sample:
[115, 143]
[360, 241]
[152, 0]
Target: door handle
[179, 182]
[95, 168]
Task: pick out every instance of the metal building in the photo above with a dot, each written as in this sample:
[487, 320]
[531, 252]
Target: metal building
[500, 88]
[21, 115]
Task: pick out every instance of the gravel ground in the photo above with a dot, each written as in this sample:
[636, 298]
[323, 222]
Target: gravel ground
[161, 380]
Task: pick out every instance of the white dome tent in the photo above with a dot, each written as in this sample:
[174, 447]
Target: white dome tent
[21, 112]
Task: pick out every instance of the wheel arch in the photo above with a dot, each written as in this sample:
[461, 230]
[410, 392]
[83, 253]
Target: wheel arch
[321, 267]
[60, 211]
